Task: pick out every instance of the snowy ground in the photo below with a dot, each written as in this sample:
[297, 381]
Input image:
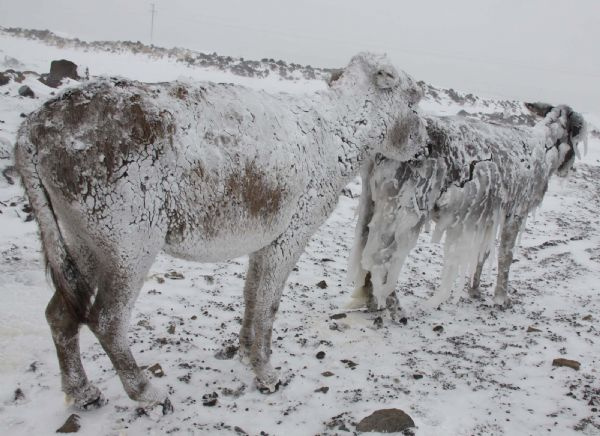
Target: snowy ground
[483, 374]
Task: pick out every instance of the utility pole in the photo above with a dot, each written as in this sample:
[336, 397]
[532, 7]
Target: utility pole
[152, 22]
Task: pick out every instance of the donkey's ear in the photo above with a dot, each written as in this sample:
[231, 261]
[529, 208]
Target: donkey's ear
[539, 109]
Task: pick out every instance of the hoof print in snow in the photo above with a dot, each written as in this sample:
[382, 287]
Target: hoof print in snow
[71, 425]
[18, 395]
[26, 91]
[174, 275]
[167, 407]
[338, 316]
[320, 355]
[566, 362]
[156, 370]
[438, 329]
[210, 400]
[531, 329]
[322, 284]
[386, 421]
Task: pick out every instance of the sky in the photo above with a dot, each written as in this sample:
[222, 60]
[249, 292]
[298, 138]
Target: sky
[545, 50]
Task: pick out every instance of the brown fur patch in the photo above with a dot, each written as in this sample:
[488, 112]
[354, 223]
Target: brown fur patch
[251, 186]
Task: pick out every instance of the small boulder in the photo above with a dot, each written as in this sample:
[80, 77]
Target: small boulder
[322, 284]
[26, 91]
[386, 421]
[566, 362]
[71, 425]
[60, 70]
[4, 79]
[156, 370]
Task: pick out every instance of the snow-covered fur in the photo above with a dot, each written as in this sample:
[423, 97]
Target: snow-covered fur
[478, 181]
[117, 171]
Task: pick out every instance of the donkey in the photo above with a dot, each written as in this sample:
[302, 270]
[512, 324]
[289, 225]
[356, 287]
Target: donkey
[118, 170]
[479, 179]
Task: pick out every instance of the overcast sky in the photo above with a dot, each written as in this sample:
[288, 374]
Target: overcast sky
[529, 49]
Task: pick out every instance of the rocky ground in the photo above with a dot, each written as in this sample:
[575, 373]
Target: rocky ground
[466, 369]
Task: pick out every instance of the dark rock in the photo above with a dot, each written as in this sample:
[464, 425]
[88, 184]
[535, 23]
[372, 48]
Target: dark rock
[323, 389]
[338, 316]
[19, 395]
[156, 370]
[240, 431]
[386, 421]
[322, 284]
[171, 329]
[174, 275]
[71, 425]
[417, 376]
[327, 374]
[349, 363]
[531, 329]
[4, 79]
[567, 362]
[320, 355]
[60, 70]
[403, 321]
[26, 91]
[587, 318]
[210, 400]
[438, 329]
[227, 352]
[378, 322]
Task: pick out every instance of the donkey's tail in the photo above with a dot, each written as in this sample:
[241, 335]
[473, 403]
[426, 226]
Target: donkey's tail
[70, 284]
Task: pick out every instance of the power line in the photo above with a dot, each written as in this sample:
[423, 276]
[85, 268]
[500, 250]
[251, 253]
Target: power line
[153, 11]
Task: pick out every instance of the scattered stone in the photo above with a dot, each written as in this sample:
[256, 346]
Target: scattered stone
[144, 323]
[349, 364]
[33, 367]
[210, 400]
[156, 370]
[532, 329]
[322, 284]
[171, 329]
[438, 329]
[326, 259]
[378, 322]
[174, 275]
[209, 279]
[26, 91]
[167, 407]
[566, 362]
[327, 374]
[227, 352]
[386, 421]
[4, 79]
[240, 431]
[160, 280]
[59, 70]
[323, 389]
[19, 395]
[71, 425]
[321, 355]
[587, 318]
[417, 376]
[338, 316]
[194, 318]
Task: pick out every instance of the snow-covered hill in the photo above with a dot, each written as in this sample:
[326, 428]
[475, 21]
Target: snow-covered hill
[485, 372]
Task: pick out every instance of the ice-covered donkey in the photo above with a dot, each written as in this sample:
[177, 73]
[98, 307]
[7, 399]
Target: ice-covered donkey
[117, 171]
[478, 181]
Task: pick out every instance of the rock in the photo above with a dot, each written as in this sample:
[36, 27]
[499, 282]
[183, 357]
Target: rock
[171, 329]
[26, 91]
[417, 376]
[566, 362]
[19, 395]
[378, 322]
[438, 329]
[531, 329]
[327, 374]
[156, 370]
[71, 425]
[60, 70]
[386, 421]
[174, 275]
[4, 79]
[587, 318]
[338, 316]
[227, 352]
[349, 364]
[320, 355]
[209, 400]
[322, 284]
[167, 407]
[240, 431]
[323, 389]
[403, 320]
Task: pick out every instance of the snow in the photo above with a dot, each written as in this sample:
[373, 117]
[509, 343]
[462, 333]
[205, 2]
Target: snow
[483, 374]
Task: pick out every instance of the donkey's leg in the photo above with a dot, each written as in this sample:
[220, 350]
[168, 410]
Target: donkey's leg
[109, 320]
[273, 266]
[473, 288]
[247, 330]
[508, 237]
[65, 334]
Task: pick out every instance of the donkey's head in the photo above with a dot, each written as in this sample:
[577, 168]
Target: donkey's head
[564, 130]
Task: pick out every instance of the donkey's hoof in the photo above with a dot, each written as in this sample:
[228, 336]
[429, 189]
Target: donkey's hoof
[474, 293]
[502, 301]
[87, 398]
[267, 388]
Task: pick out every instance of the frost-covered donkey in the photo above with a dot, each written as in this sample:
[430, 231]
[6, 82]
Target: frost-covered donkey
[479, 179]
[117, 171]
